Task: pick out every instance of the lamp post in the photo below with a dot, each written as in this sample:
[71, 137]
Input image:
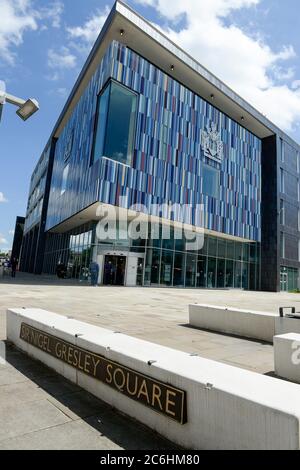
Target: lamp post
[26, 108]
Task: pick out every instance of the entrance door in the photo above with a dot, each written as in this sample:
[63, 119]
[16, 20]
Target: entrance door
[114, 271]
[283, 281]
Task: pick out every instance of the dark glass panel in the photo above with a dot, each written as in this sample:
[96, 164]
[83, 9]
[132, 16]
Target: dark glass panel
[238, 275]
[230, 250]
[221, 248]
[201, 272]
[221, 273]
[179, 269]
[229, 279]
[120, 124]
[166, 268]
[191, 268]
[211, 273]
[245, 276]
[212, 247]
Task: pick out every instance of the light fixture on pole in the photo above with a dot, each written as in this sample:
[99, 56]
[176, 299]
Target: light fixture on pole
[26, 108]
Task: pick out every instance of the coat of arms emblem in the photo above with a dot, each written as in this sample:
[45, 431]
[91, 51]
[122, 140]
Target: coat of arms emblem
[212, 144]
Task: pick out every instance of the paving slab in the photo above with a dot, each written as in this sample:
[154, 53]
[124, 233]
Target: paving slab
[43, 411]
[61, 416]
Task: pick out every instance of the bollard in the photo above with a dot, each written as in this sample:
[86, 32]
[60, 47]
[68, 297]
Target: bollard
[281, 311]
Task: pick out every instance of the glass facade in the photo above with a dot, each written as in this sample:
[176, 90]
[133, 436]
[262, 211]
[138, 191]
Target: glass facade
[73, 250]
[219, 264]
[288, 279]
[148, 142]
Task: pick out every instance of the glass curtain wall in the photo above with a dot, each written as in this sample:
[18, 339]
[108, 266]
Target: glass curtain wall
[219, 264]
[73, 250]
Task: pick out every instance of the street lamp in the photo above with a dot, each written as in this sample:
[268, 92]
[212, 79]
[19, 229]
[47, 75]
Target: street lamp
[26, 108]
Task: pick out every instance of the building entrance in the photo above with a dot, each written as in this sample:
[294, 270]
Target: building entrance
[114, 270]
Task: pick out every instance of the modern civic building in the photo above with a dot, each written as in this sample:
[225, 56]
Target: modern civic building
[146, 125]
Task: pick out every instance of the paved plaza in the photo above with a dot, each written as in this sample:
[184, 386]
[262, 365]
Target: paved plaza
[39, 409]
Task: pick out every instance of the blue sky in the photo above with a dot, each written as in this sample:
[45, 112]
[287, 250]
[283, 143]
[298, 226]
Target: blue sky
[253, 45]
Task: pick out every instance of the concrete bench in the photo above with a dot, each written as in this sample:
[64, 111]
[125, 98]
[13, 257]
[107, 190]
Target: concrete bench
[287, 325]
[226, 407]
[287, 356]
[245, 323]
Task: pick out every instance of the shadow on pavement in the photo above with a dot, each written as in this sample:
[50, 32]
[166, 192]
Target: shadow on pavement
[81, 405]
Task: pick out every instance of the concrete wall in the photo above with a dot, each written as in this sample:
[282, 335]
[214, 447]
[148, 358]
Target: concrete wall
[246, 323]
[287, 325]
[287, 356]
[228, 408]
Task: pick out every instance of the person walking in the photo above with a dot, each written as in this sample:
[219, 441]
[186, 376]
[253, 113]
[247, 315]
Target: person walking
[14, 265]
[94, 268]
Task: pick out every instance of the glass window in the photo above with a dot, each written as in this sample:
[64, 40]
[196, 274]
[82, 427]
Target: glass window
[245, 276]
[246, 252]
[155, 235]
[229, 274]
[282, 188]
[167, 237]
[211, 273]
[201, 272]
[252, 277]
[115, 124]
[203, 250]
[253, 253]
[179, 268]
[221, 273]
[282, 212]
[155, 267]
[221, 248]
[65, 179]
[230, 249]
[211, 181]
[282, 151]
[179, 240]
[166, 268]
[282, 245]
[212, 246]
[191, 267]
[238, 275]
[238, 251]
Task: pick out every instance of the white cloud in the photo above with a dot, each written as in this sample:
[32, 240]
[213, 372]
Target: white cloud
[3, 240]
[84, 36]
[21, 16]
[2, 198]
[246, 63]
[61, 59]
[16, 17]
[296, 84]
[53, 13]
[11, 232]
